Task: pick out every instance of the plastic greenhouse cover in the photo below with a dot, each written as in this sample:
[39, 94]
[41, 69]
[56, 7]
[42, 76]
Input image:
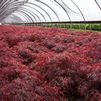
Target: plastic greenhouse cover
[28, 11]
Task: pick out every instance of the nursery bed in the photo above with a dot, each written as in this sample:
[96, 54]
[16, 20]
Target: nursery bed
[49, 64]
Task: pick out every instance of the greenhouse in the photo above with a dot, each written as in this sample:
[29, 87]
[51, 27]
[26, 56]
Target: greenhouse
[50, 50]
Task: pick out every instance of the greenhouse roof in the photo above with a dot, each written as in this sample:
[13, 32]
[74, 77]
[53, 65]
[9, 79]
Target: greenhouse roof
[31, 11]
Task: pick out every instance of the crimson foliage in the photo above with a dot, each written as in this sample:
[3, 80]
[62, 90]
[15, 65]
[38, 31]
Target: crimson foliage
[49, 64]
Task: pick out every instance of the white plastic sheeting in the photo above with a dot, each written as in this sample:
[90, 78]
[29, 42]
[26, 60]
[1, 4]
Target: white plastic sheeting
[55, 11]
[7, 7]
